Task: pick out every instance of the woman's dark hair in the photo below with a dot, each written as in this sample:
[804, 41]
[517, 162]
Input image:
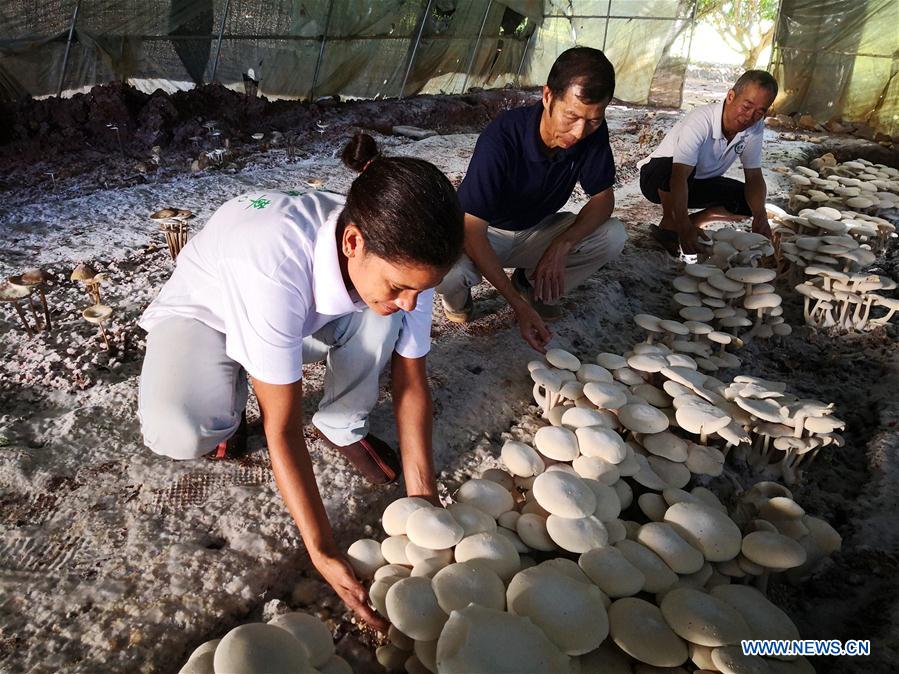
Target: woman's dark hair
[587, 68]
[406, 209]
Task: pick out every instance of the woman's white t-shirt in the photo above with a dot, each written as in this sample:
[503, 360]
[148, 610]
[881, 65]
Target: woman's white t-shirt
[265, 272]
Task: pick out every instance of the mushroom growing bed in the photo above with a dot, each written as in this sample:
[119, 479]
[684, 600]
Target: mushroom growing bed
[112, 559]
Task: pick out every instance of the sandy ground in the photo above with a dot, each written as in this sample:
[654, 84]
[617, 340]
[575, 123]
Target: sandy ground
[114, 560]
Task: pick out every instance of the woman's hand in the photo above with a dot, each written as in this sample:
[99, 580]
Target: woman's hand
[338, 573]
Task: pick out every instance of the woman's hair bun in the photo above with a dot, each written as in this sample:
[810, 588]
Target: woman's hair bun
[359, 152]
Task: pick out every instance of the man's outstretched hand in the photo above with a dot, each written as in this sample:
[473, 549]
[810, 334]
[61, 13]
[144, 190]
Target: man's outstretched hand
[761, 226]
[338, 573]
[532, 327]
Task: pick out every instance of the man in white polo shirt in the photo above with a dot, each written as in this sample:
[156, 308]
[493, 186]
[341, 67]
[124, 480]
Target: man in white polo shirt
[687, 169]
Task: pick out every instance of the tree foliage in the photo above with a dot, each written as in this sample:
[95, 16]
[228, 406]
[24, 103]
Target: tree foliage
[747, 26]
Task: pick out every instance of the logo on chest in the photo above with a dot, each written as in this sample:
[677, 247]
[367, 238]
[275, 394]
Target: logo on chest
[738, 148]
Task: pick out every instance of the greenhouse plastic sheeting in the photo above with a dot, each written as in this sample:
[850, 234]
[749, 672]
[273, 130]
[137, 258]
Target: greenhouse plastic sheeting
[312, 48]
[839, 59]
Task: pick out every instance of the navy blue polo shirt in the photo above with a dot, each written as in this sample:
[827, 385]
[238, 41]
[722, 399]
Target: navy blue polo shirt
[513, 184]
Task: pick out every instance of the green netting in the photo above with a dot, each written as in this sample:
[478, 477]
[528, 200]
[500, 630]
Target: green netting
[839, 59]
[306, 48]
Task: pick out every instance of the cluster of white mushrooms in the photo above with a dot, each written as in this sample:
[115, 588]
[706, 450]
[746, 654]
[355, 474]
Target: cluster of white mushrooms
[865, 190]
[834, 299]
[173, 224]
[532, 568]
[298, 643]
[842, 225]
[713, 301]
[654, 397]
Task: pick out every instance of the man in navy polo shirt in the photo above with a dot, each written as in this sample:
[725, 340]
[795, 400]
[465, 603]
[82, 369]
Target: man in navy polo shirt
[523, 170]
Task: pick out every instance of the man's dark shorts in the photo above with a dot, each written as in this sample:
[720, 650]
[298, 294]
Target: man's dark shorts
[724, 192]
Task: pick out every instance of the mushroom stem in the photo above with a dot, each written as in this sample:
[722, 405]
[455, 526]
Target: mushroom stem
[105, 338]
[47, 324]
[170, 243]
[37, 320]
[884, 320]
[703, 436]
[23, 318]
[862, 321]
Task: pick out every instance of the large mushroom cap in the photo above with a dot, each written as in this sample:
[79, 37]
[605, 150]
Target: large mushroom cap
[492, 549]
[642, 418]
[433, 528]
[13, 293]
[765, 619]
[521, 459]
[412, 606]
[773, 550]
[97, 313]
[751, 275]
[584, 417]
[531, 529]
[29, 279]
[365, 557]
[472, 519]
[257, 648]
[703, 619]
[83, 272]
[612, 572]
[478, 639]
[662, 539]
[577, 534]
[639, 629]
[602, 443]
[667, 445]
[458, 585]
[709, 530]
[556, 443]
[486, 495]
[311, 632]
[701, 417]
[659, 576]
[164, 214]
[563, 360]
[393, 548]
[564, 495]
[588, 372]
[397, 512]
[606, 395]
[570, 612]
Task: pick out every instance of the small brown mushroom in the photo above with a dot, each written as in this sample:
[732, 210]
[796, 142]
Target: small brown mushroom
[35, 279]
[97, 314]
[12, 294]
[88, 276]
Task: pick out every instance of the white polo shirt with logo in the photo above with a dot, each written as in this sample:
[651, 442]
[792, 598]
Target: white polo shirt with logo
[698, 140]
[265, 272]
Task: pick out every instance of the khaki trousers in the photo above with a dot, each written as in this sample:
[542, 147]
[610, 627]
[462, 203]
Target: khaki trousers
[525, 248]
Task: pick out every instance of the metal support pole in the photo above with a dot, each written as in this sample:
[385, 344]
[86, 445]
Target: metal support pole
[477, 45]
[218, 47]
[65, 60]
[774, 37]
[605, 33]
[421, 29]
[524, 54]
[692, 30]
[321, 51]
